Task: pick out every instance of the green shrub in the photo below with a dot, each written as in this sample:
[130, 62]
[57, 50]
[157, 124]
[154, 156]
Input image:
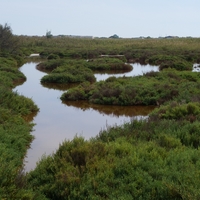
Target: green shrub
[177, 111]
[95, 170]
[107, 63]
[52, 56]
[150, 89]
[69, 74]
[169, 61]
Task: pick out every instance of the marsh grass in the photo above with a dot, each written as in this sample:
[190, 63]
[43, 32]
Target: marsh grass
[106, 63]
[133, 49]
[154, 88]
[71, 71]
[15, 135]
[69, 74]
[155, 158]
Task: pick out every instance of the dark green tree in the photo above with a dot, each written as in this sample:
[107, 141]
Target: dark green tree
[115, 36]
[48, 34]
[8, 42]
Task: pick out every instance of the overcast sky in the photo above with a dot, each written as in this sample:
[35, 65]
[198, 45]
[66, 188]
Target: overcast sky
[103, 18]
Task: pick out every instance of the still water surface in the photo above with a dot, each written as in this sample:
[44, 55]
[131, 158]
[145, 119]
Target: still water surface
[57, 121]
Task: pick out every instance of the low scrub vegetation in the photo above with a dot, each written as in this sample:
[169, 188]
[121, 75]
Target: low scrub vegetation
[134, 50]
[106, 63]
[75, 71]
[168, 61]
[15, 138]
[69, 74]
[154, 88]
[15, 135]
[147, 159]
[155, 158]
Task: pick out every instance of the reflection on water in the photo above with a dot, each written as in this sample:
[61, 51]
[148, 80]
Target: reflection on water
[115, 111]
[57, 121]
[59, 86]
[111, 72]
[138, 70]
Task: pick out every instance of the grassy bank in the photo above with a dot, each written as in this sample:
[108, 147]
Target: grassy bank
[15, 135]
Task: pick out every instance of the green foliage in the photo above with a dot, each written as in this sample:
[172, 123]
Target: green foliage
[154, 88]
[190, 111]
[50, 64]
[8, 62]
[9, 73]
[69, 73]
[106, 63]
[53, 56]
[155, 158]
[15, 135]
[18, 104]
[74, 94]
[14, 139]
[123, 169]
[135, 50]
[170, 61]
[9, 44]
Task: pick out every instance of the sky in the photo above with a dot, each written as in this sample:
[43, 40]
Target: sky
[102, 18]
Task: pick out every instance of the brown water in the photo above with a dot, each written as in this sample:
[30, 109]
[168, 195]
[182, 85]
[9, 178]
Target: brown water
[58, 121]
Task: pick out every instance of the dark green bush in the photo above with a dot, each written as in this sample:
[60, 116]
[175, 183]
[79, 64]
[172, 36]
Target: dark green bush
[108, 63]
[150, 89]
[69, 74]
[52, 56]
[50, 64]
[169, 61]
[121, 169]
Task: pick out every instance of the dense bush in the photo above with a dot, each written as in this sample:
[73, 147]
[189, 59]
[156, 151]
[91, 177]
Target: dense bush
[154, 88]
[74, 71]
[15, 138]
[174, 110]
[119, 169]
[15, 135]
[53, 56]
[169, 61]
[107, 63]
[69, 74]
[50, 64]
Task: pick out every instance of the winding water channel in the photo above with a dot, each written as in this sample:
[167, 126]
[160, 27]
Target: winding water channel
[57, 121]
